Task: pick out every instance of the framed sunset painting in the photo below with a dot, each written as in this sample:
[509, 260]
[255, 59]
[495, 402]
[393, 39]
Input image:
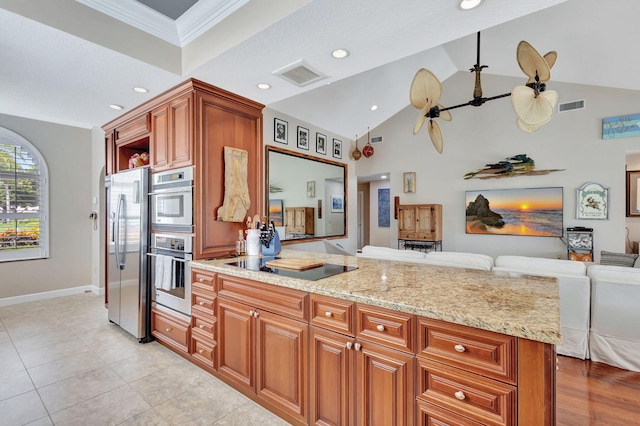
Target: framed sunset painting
[536, 212]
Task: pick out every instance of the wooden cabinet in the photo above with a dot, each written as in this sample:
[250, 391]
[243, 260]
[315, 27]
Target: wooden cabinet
[353, 380]
[172, 134]
[203, 318]
[130, 136]
[171, 328]
[264, 352]
[420, 222]
[299, 220]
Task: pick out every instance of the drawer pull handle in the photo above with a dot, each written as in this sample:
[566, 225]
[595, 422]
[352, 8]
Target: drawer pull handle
[349, 345]
[459, 348]
[380, 327]
[358, 346]
[328, 314]
[201, 351]
[460, 395]
[201, 303]
[201, 325]
[168, 329]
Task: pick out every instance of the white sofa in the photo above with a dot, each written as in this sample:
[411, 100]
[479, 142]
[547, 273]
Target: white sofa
[574, 286]
[615, 316]
[440, 258]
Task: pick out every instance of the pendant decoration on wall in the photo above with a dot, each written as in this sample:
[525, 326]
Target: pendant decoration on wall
[356, 154]
[518, 165]
[367, 151]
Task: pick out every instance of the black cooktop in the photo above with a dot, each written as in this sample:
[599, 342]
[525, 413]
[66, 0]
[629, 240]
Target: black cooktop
[313, 274]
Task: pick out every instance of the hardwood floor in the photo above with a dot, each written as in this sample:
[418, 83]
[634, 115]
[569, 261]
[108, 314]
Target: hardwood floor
[592, 393]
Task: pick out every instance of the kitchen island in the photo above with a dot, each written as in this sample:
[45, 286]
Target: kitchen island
[385, 342]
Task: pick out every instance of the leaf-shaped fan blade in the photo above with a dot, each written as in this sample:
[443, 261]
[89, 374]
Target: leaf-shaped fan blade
[436, 135]
[421, 118]
[551, 59]
[531, 109]
[445, 115]
[526, 127]
[532, 62]
[425, 88]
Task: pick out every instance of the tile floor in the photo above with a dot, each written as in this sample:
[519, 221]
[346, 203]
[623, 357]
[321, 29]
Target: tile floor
[63, 363]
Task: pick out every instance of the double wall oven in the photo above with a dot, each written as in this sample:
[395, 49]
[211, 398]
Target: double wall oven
[171, 246]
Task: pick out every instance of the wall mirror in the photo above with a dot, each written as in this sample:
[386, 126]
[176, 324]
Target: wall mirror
[306, 196]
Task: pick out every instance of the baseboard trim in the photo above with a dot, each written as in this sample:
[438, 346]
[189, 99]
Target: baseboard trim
[51, 294]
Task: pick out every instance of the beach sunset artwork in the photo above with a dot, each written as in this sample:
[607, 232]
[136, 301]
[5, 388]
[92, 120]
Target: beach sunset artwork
[526, 212]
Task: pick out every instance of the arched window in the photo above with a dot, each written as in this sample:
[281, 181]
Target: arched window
[24, 190]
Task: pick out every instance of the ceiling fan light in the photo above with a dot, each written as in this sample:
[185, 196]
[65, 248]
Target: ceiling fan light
[469, 4]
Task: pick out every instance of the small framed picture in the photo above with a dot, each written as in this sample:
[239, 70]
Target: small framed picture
[337, 148]
[592, 201]
[303, 138]
[337, 204]
[311, 189]
[321, 143]
[409, 180]
[280, 131]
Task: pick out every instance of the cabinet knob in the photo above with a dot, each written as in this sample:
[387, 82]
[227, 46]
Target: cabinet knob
[328, 314]
[251, 312]
[255, 314]
[167, 329]
[349, 345]
[201, 325]
[460, 395]
[201, 280]
[380, 327]
[201, 303]
[459, 348]
[358, 346]
[201, 351]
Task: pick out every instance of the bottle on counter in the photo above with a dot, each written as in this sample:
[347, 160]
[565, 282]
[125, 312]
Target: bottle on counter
[240, 244]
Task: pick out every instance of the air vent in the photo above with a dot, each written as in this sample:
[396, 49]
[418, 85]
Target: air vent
[570, 106]
[376, 139]
[300, 73]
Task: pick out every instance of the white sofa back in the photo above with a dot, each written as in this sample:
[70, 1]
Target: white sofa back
[439, 258]
[615, 316]
[574, 291]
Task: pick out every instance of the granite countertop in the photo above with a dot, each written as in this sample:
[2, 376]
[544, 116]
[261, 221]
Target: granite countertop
[521, 306]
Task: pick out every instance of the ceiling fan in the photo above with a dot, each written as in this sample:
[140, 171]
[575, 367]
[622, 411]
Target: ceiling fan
[532, 103]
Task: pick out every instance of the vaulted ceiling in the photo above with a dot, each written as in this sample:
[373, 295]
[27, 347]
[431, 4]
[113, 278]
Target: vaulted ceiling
[66, 60]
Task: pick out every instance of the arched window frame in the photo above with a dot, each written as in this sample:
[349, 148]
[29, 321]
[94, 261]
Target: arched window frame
[9, 137]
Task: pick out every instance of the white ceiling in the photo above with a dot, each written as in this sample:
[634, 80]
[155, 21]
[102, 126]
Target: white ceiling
[65, 62]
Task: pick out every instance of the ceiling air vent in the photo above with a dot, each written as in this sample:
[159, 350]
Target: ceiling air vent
[300, 73]
[376, 139]
[570, 106]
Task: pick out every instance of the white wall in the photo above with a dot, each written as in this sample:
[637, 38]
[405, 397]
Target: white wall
[381, 236]
[67, 151]
[571, 141]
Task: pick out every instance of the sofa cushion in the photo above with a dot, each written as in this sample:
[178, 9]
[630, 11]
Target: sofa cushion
[541, 265]
[617, 259]
[380, 252]
[450, 258]
[611, 273]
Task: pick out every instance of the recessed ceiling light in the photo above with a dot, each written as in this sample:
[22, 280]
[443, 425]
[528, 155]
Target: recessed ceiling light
[340, 53]
[114, 106]
[373, 107]
[469, 4]
[141, 90]
[264, 86]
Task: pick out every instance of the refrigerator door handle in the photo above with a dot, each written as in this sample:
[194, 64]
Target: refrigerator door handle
[119, 255]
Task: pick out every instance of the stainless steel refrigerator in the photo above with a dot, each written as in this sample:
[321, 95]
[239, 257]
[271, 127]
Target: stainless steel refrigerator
[128, 284]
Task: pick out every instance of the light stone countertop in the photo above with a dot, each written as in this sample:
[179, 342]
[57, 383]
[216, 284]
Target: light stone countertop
[521, 306]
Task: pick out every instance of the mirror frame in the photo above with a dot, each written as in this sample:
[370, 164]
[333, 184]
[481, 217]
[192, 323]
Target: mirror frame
[345, 169]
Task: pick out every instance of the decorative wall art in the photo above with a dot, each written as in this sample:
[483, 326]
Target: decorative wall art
[280, 131]
[337, 204]
[518, 165]
[337, 148]
[311, 189]
[622, 126]
[633, 193]
[592, 201]
[303, 138]
[321, 143]
[275, 212]
[384, 207]
[409, 180]
[536, 212]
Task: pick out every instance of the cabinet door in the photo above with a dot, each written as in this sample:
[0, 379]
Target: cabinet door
[385, 388]
[110, 152]
[331, 378]
[424, 223]
[181, 131]
[281, 357]
[236, 342]
[407, 222]
[159, 146]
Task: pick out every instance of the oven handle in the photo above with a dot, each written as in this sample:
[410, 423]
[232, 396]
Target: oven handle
[172, 191]
[176, 259]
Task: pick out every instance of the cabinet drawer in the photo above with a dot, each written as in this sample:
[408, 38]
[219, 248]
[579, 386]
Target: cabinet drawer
[404, 235]
[204, 326]
[202, 302]
[203, 279]
[170, 329]
[482, 399]
[431, 415]
[479, 351]
[332, 314]
[203, 350]
[389, 328]
[134, 128]
[284, 301]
